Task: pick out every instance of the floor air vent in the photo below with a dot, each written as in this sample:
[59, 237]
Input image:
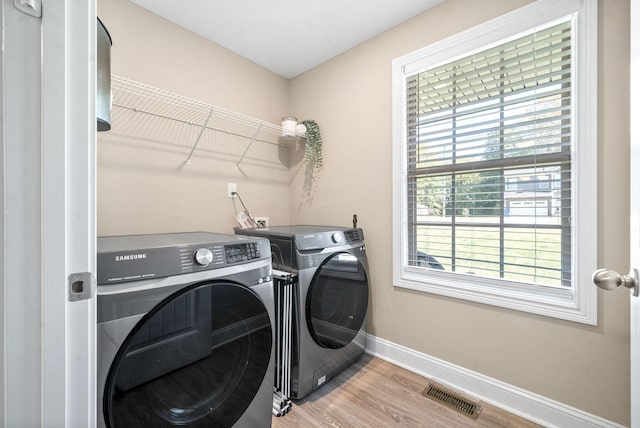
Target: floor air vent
[453, 400]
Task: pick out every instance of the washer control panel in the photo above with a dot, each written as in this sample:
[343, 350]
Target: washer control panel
[241, 252]
[194, 259]
[117, 263]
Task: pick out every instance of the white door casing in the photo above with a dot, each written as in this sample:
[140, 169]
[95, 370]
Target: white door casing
[69, 210]
[21, 96]
[635, 208]
[48, 200]
[608, 279]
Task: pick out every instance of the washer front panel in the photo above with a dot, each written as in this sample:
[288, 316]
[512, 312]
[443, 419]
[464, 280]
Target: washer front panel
[185, 331]
[198, 359]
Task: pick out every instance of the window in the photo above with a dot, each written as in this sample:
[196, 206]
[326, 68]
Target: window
[494, 161]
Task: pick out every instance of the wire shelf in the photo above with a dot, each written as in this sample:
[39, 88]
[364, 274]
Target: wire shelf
[146, 112]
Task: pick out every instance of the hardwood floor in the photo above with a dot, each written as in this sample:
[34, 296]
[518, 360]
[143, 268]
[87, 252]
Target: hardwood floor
[375, 393]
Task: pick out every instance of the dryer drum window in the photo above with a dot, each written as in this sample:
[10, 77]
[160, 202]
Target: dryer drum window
[196, 360]
[337, 301]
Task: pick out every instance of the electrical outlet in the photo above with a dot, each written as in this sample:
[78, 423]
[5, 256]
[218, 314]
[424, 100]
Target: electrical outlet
[262, 221]
[232, 188]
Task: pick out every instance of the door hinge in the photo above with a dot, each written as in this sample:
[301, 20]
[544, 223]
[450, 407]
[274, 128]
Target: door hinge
[29, 7]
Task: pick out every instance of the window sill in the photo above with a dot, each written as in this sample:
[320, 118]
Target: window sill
[545, 301]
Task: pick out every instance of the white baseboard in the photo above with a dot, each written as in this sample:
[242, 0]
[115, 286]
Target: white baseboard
[531, 406]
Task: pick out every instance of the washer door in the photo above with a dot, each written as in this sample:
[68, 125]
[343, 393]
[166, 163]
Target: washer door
[337, 301]
[197, 359]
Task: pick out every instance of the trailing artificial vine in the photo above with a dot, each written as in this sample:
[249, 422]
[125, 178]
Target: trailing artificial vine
[312, 157]
[313, 146]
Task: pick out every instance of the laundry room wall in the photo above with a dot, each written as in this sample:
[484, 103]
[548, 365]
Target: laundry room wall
[144, 185]
[586, 367]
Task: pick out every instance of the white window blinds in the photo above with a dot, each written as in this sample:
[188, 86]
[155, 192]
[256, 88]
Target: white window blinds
[488, 150]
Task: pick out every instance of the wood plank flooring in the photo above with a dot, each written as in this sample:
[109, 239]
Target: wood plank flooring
[375, 393]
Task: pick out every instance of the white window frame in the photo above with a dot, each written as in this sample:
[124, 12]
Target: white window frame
[579, 303]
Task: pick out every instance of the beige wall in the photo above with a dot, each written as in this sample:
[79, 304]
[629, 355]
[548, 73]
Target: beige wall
[142, 189]
[350, 97]
[142, 185]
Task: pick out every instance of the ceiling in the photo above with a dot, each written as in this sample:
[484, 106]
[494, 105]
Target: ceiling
[287, 37]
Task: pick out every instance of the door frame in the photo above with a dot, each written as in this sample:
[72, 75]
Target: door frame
[48, 200]
[634, 202]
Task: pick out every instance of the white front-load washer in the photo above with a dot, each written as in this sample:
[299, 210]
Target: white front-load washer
[185, 331]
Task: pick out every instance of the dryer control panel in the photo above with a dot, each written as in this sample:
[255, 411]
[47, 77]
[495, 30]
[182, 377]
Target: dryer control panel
[135, 258]
[194, 258]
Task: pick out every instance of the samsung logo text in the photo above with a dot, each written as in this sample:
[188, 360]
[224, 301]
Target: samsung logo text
[131, 257]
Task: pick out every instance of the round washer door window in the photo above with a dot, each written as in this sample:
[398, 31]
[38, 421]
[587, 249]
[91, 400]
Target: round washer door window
[196, 360]
[337, 301]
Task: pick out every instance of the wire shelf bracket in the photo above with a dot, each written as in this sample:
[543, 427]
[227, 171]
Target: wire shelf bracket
[253, 140]
[193, 149]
